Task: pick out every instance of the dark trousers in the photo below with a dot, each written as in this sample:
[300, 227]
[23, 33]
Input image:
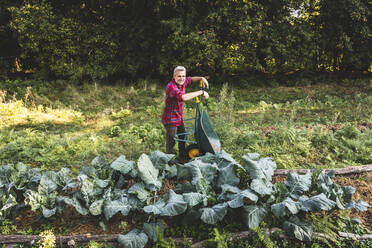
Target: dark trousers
[170, 131]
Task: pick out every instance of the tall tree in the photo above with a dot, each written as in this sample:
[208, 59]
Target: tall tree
[345, 27]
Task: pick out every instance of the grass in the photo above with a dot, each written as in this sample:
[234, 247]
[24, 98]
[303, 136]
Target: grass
[54, 125]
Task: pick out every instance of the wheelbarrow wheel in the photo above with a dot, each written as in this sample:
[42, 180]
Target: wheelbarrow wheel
[192, 151]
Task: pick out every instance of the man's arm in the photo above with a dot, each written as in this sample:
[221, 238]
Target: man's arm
[204, 80]
[191, 95]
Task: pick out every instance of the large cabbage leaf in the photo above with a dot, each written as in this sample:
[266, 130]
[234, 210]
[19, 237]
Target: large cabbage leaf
[139, 190]
[263, 168]
[298, 184]
[48, 212]
[46, 195]
[183, 171]
[122, 164]
[47, 185]
[5, 172]
[348, 192]
[91, 188]
[200, 170]
[287, 207]
[148, 173]
[174, 206]
[295, 228]
[209, 171]
[360, 206]
[155, 208]
[261, 172]
[96, 207]
[110, 208]
[134, 239]
[33, 199]
[227, 175]
[98, 162]
[203, 187]
[214, 214]
[208, 158]
[22, 177]
[19, 176]
[228, 192]
[63, 176]
[262, 186]
[160, 159]
[317, 203]
[153, 230]
[244, 196]
[325, 182]
[224, 159]
[253, 215]
[74, 202]
[193, 198]
[9, 203]
[186, 187]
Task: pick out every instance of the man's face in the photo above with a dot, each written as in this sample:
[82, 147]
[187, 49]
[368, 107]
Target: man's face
[180, 77]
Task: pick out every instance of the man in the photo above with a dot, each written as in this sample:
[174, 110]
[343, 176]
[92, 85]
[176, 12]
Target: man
[172, 119]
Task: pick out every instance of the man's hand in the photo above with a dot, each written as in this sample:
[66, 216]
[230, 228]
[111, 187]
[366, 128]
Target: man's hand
[205, 95]
[205, 83]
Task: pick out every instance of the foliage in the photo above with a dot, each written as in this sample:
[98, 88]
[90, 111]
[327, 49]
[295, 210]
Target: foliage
[112, 40]
[343, 37]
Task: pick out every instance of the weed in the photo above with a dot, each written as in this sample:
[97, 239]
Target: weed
[7, 227]
[94, 244]
[47, 239]
[115, 131]
[162, 243]
[348, 131]
[123, 226]
[220, 239]
[123, 116]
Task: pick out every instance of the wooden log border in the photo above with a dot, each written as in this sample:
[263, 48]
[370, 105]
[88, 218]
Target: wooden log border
[351, 170]
[112, 238]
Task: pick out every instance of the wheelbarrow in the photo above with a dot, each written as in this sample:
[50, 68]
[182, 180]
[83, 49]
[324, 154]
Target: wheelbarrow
[206, 139]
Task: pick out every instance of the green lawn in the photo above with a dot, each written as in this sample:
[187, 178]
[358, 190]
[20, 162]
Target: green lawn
[313, 126]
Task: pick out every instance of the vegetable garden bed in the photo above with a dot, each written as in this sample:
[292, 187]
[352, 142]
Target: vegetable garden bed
[85, 228]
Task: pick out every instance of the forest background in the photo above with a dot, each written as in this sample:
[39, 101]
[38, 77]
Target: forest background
[111, 41]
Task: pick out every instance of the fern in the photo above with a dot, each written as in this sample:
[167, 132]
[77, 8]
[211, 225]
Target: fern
[220, 239]
[162, 243]
[325, 224]
[262, 237]
[322, 242]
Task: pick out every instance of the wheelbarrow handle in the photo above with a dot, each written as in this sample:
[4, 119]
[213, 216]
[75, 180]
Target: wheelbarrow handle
[198, 99]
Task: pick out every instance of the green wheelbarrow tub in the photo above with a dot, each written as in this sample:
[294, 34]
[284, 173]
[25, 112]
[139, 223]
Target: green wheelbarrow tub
[205, 135]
